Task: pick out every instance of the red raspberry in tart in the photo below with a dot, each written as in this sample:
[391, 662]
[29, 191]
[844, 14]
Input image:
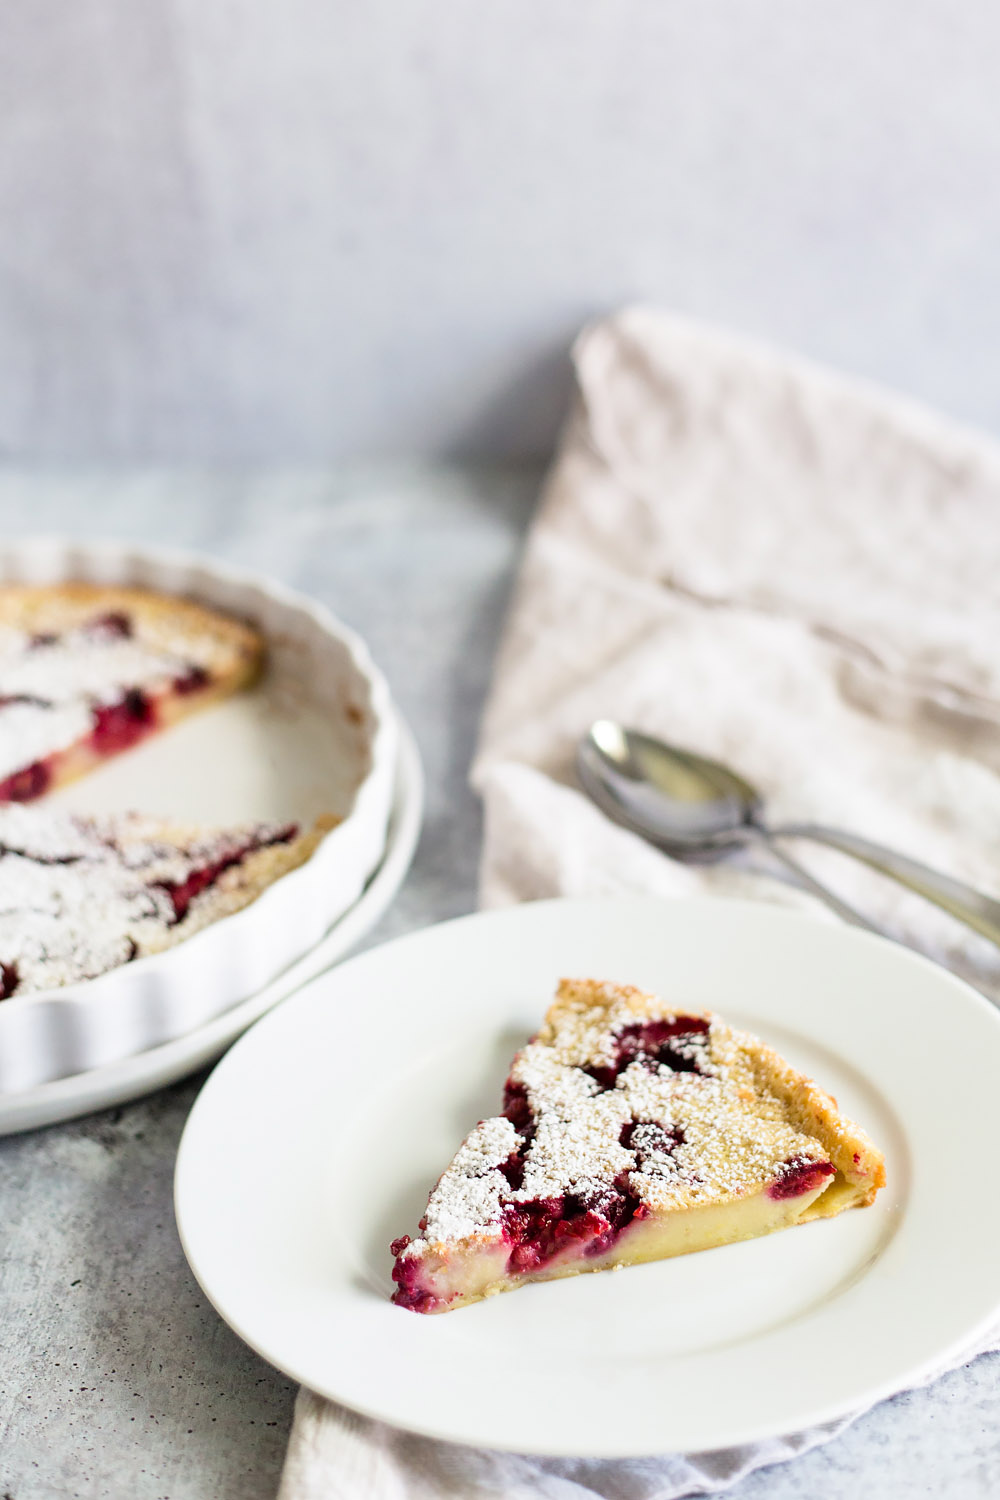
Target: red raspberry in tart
[79, 896]
[630, 1132]
[88, 671]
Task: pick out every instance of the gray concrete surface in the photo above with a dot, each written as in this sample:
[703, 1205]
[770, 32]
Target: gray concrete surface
[319, 229]
[116, 1379]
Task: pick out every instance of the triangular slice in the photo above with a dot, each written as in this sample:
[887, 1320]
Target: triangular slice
[87, 671]
[630, 1132]
[80, 896]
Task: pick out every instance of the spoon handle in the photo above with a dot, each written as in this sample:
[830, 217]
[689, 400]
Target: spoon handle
[975, 908]
[810, 882]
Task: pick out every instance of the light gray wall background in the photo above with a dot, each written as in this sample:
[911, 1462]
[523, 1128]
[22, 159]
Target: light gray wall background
[302, 229]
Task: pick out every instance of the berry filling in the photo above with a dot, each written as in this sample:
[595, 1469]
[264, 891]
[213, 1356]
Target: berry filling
[115, 625]
[513, 1170]
[675, 1044]
[517, 1109]
[798, 1175]
[183, 892]
[409, 1291]
[26, 784]
[544, 1228]
[9, 980]
[192, 681]
[119, 725]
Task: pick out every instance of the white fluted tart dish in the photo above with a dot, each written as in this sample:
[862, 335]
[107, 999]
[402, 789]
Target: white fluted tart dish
[196, 776]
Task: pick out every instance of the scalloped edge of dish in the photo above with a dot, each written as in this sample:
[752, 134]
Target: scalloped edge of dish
[54, 1033]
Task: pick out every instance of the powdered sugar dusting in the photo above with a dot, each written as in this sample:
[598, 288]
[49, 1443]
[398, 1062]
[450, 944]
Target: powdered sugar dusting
[468, 1195]
[726, 1145]
[79, 896]
[576, 1151]
[49, 686]
[697, 1128]
[31, 731]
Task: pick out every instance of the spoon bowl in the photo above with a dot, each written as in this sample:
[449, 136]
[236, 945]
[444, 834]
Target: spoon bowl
[683, 802]
[695, 809]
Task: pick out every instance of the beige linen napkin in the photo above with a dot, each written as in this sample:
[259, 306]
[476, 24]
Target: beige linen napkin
[781, 568]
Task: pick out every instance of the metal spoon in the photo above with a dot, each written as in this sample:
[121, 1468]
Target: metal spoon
[693, 807]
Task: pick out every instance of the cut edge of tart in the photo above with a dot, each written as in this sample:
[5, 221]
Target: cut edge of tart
[264, 852]
[80, 896]
[630, 1132]
[88, 670]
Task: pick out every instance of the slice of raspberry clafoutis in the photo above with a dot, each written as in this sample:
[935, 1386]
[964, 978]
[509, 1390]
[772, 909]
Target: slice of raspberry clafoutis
[630, 1132]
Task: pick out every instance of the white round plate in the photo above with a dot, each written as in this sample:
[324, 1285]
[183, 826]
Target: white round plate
[316, 1141]
[131, 1077]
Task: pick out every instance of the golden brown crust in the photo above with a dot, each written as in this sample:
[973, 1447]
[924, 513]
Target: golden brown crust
[811, 1110]
[577, 996]
[221, 644]
[767, 1083]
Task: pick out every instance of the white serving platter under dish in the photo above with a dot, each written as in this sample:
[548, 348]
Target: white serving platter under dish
[317, 735]
[131, 1077]
[317, 1138]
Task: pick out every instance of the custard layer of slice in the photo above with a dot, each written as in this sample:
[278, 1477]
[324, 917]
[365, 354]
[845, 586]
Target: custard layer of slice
[630, 1132]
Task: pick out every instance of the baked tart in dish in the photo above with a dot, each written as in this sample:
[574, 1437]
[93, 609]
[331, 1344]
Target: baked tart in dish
[630, 1132]
[87, 671]
[80, 896]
